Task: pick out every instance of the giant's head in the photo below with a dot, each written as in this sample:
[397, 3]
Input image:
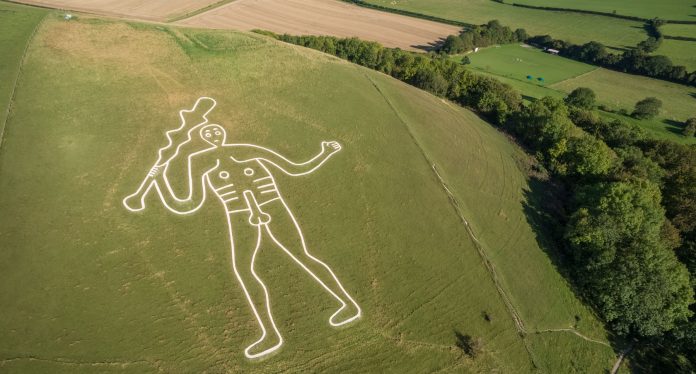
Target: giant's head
[213, 134]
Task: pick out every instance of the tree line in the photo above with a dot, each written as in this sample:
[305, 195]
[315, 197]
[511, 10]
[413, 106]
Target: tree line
[481, 36]
[629, 231]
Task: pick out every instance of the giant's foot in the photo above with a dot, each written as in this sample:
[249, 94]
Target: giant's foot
[264, 346]
[348, 313]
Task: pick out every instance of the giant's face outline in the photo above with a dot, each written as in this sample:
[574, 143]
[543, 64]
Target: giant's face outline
[214, 135]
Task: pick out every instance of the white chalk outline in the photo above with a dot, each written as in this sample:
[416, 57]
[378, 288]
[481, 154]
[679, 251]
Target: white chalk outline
[329, 148]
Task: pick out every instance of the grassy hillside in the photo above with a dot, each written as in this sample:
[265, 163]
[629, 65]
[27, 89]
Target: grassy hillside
[90, 287]
[512, 63]
[17, 24]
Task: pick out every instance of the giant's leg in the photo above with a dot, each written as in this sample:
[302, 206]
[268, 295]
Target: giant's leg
[245, 243]
[287, 234]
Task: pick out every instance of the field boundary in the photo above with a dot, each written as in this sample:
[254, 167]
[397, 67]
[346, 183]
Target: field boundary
[198, 11]
[594, 12]
[682, 38]
[362, 3]
[16, 81]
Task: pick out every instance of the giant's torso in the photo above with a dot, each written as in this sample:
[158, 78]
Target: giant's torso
[231, 178]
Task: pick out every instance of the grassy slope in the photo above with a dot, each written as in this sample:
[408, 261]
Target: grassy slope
[88, 286]
[16, 26]
[615, 90]
[666, 9]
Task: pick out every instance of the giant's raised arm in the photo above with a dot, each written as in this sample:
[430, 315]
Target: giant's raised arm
[287, 166]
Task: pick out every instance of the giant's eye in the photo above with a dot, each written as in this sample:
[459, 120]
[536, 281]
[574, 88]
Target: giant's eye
[207, 135]
[217, 133]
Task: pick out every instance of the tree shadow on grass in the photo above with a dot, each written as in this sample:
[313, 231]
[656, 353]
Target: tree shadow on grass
[529, 98]
[469, 345]
[432, 46]
[673, 126]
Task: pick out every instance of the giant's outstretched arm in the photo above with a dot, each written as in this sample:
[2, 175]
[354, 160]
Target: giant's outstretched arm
[328, 149]
[158, 181]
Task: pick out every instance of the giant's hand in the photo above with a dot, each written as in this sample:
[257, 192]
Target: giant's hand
[136, 201]
[330, 147]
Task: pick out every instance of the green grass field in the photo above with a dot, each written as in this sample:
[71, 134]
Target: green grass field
[90, 287]
[666, 9]
[573, 27]
[518, 62]
[621, 90]
[679, 30]
[681, 52]
[576, 28]
[614, 90]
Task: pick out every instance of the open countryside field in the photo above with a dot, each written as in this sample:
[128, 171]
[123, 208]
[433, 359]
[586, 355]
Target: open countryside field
[679, 30]
[576, 28]
[520, 61]
[621, 90]
[683, 52]
[114, 291]
[665, 9]
[150, 10]
[614, 89]
[320, 17]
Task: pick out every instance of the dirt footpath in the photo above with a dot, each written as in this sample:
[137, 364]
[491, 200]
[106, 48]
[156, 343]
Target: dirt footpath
[323, 17]
[154, 10]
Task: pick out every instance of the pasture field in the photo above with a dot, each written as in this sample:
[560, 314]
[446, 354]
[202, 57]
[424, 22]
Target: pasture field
[679, 30]
[665, 9]
[577, 28]
[17, 24]
[573, 27]
[88, 286]
[518, 62]
[620, 90]
[681, 52]
[614, 89]
[319, 17]
[143, 9]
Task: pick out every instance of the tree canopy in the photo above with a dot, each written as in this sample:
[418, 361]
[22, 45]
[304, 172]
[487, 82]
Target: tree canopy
[647, 108]
[581, 97]
[634, 279]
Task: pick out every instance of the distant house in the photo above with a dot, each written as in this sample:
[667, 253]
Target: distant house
[552, 51]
